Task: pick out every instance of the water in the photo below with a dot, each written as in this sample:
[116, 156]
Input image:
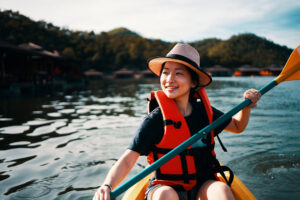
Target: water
[61, 146]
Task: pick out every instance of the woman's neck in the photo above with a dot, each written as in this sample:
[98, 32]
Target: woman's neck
[184, 106]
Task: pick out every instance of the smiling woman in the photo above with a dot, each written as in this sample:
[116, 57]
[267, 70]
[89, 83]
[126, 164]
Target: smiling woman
[178, 115]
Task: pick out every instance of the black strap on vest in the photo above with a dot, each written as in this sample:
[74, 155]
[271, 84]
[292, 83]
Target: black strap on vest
[177, 125]
[217, 168]
[221, 143]
[187, 152]
[185, 176]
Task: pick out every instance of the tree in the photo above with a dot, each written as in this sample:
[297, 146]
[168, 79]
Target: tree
[69, 52]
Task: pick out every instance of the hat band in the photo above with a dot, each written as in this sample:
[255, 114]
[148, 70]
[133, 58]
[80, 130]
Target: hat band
[183, 58]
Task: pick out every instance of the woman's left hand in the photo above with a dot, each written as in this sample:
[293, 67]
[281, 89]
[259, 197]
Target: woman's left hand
[254, 95]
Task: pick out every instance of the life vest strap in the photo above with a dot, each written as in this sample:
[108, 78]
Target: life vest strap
[176, 177]
[185, 176]
[188, 152]
[184, 167]
[221, 143]
[217, 168]
[177, 125]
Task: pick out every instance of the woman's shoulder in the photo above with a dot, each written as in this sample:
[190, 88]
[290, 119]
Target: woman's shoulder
[154, 114]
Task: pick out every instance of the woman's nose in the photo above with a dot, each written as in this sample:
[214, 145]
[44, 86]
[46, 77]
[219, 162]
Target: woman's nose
[170, 77]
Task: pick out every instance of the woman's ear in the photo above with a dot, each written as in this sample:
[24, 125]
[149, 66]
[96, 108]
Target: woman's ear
[194, 84]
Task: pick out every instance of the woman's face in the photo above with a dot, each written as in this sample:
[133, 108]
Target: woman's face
[176, 81]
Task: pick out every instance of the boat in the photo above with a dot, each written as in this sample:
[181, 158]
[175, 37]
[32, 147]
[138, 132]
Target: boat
[239, 190]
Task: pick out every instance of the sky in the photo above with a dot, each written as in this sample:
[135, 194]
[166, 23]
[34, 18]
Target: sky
[171, 20]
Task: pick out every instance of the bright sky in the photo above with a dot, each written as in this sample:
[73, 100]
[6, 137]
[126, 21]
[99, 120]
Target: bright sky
[172, 20]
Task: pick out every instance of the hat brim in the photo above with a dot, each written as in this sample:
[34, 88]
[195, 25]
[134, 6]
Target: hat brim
[156, 63]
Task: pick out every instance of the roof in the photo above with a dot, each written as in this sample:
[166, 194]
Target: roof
[93, 72]
[218, 68]
[248, 68]
[124, 71]
[29, 49]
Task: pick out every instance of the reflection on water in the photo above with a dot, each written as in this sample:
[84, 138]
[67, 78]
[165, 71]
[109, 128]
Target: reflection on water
[61, 146]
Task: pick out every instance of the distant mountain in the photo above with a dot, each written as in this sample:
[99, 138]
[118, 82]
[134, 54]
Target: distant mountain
[248, 49]
[120, 47]
[122, 31]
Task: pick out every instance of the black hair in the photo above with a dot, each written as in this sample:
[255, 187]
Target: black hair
[195, 78]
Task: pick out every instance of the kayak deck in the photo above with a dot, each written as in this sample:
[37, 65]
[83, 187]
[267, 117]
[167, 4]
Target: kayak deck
[239, 190]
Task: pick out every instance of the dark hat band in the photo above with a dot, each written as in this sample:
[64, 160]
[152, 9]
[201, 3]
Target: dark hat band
[183, 58]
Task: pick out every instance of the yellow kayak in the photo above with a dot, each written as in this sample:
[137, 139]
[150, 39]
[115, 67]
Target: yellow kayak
[239, 190]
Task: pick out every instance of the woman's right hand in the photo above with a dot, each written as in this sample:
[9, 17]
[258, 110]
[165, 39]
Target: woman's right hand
[103, 193]
[116, 174]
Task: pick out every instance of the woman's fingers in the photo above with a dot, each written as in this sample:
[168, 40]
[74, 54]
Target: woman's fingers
[252, 94]
[103, 193]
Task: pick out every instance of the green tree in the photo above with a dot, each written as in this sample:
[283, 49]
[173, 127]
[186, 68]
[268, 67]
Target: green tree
[69, 52]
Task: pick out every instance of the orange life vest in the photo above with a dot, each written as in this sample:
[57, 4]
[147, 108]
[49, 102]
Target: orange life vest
[181, 169]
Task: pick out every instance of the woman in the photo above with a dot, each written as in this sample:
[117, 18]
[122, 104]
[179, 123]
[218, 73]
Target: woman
[180, 76]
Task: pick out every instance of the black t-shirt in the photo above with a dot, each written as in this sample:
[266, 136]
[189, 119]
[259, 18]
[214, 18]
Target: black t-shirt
[151, 130]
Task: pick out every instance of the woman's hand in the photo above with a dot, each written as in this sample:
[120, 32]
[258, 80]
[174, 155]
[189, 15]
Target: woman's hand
[116, 174]
[103, 193]
[240, 121]
[254, 95]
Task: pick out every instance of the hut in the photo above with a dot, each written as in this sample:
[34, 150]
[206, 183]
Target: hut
[272, 70]
[219, 70]
[93, 75]
[30, 66]
[147, 74]
[123, 74]
[247, 70]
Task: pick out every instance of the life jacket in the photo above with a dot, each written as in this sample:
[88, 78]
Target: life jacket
[181, 169]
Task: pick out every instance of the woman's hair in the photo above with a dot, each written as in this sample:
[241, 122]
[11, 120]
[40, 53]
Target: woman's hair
[195, 78]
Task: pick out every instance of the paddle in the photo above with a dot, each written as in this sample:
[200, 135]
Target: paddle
[291, 71]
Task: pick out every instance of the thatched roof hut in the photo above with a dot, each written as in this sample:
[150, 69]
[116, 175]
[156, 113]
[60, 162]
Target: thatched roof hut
[93, 74]
[147, 74]
[123, 74]
[247, 70]
[219, 70]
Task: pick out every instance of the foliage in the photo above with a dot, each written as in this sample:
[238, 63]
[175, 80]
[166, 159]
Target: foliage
[122, 48]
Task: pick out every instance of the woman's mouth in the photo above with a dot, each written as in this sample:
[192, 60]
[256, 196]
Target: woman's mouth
[171, 89]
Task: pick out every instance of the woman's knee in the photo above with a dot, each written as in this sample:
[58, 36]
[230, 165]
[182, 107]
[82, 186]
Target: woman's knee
[215, 190]
[164, 193]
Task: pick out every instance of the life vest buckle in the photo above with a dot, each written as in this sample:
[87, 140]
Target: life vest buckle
[176, 125]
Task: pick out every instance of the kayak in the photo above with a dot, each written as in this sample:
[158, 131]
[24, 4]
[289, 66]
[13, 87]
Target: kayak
[239, 190]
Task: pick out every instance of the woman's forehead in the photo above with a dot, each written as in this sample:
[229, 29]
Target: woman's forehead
[177, 66]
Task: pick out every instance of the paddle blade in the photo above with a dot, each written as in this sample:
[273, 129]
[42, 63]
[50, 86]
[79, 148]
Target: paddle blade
[291, 70]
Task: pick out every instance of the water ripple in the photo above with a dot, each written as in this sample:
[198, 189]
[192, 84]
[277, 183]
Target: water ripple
[20, 161]
[14, 129]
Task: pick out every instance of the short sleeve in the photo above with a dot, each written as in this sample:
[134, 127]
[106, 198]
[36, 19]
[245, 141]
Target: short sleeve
[149, 133]
[216, 114]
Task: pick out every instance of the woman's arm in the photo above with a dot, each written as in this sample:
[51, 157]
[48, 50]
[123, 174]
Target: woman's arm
[240, 121]
[116, 174]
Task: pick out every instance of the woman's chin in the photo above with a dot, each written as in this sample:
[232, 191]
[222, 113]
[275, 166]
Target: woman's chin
[171, 95]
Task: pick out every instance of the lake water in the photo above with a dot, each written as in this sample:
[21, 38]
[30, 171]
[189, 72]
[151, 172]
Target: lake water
[61, 146]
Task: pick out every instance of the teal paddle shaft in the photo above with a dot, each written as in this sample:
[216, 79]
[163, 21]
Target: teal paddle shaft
[200, 134]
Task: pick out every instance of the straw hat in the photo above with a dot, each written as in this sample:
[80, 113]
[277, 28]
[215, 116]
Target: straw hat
[184, 54]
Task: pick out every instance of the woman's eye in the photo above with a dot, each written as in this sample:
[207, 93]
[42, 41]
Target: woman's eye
[179, 73]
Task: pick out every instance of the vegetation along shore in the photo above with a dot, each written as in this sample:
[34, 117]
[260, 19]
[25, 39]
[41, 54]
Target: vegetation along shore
[50, 54]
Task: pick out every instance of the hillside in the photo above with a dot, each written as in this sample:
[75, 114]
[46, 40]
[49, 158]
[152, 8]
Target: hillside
[109, 51]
